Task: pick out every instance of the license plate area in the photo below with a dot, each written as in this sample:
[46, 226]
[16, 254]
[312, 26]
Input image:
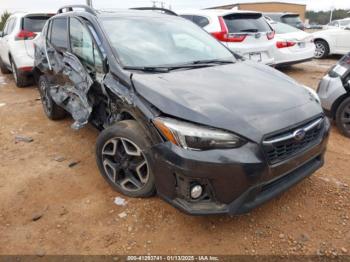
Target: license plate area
[302, 44]
[256, 56]
[340, 70]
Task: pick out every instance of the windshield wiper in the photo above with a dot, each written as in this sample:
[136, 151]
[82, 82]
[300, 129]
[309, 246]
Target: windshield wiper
[166, 69]
[156, 69]
[212, 61]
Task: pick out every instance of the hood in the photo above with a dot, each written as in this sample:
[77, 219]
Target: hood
[247, 98]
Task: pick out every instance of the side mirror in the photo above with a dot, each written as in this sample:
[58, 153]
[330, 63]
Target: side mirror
[105, 65]
[1, 34]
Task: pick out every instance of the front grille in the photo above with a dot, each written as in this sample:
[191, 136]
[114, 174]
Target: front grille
[289, 143]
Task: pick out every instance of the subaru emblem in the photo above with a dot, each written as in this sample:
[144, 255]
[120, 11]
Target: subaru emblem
[299, 134]
[257, 35]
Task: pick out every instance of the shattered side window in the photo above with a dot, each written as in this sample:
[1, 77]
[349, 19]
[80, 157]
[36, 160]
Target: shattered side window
[59, 36]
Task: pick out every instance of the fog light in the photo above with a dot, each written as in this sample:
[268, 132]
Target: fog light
[196, 191]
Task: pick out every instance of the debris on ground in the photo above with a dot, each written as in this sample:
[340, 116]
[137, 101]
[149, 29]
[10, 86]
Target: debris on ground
[119, 201]
[59, 158]
[2, 104]
[122, 214]
[72, 164]
[21, 138]
[63, 211]
[37, 216]
[40, 253]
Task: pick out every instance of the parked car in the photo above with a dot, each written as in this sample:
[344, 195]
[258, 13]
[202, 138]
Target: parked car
[334, 93]
[342, 23]
[16, 45]
[245, 32]
[292, 45]
[314, 26]
[291, 19]
[180, 114]
[332, 41]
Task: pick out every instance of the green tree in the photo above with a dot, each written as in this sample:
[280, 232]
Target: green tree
[322, 17]
[5, 15]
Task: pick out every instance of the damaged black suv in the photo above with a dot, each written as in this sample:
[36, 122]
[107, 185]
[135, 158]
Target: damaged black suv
[179, 113]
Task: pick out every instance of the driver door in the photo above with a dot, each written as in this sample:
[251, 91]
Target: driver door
[85, 49]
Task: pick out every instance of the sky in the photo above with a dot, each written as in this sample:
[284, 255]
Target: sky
[53, 5]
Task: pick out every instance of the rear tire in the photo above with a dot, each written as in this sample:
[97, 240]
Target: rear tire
[20, 79]
[121, 159]
[51, 109]
[343, 117]
[322, 49]
[4, 70]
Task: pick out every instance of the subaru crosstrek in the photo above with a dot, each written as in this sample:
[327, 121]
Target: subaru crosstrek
[179, 113]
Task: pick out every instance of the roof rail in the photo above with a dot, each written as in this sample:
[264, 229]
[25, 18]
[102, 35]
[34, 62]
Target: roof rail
[69, 8]
[166, 11]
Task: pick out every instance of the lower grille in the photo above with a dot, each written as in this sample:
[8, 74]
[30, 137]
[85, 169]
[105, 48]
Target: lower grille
[289, 143]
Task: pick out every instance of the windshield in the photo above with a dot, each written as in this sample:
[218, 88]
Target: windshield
[152, 42]
[281, 28]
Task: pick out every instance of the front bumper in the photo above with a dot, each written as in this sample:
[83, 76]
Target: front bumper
[234, 181]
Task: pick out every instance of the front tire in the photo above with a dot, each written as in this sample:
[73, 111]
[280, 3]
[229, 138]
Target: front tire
[322, 49]
[51, 109]
[121, 159]
[343, 117]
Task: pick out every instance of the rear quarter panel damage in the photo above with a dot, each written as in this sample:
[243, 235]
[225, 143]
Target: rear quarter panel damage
[71, 83]
[103, 98]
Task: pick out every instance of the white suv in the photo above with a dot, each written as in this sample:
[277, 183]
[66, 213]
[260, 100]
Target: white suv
[16, 45]
[246, 33]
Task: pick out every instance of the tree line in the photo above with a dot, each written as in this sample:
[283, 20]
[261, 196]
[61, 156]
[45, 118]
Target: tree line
[322, 17]
[3, 19]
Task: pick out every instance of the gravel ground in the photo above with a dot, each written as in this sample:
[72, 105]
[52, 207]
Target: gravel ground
[49, 206]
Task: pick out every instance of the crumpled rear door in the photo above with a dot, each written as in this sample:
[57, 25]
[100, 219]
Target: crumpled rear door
[72, 83]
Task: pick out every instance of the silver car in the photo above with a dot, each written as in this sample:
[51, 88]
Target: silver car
[334, 93]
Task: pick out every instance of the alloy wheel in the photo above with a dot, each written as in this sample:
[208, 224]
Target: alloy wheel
[345, 117]
[45, 98]
[320, 50]
[125, 164]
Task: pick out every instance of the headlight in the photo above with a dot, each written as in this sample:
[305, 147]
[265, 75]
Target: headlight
[196, 137]
[313, 93]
